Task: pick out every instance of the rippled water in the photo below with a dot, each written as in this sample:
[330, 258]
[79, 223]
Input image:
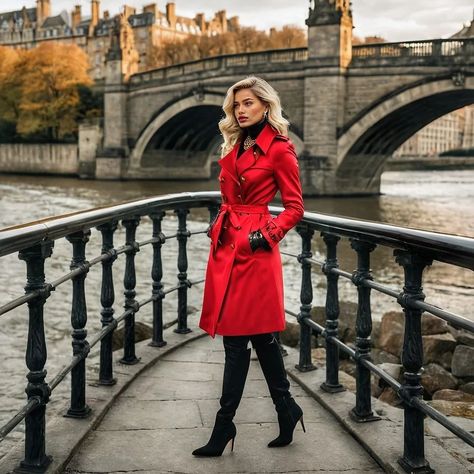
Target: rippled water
[438, 201]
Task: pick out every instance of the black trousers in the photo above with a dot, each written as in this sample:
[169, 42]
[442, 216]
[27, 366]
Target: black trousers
[237, 361]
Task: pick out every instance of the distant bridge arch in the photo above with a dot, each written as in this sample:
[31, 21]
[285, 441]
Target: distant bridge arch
[378, 131]
[187, 125]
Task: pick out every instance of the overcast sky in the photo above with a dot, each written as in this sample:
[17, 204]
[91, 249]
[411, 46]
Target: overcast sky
[395, 20]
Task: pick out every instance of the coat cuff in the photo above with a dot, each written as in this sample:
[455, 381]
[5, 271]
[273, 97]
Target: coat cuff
[272, 233]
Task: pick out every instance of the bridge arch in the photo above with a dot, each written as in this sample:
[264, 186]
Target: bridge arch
[166, 120]
[370, 140]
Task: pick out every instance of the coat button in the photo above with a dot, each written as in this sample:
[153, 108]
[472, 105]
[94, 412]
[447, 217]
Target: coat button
[232, 246]
[238, 227]
[242, 178]
[239, 195]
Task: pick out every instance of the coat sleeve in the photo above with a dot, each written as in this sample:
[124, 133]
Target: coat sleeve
[286, 173]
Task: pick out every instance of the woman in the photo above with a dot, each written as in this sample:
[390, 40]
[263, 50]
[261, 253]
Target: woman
[243, 295]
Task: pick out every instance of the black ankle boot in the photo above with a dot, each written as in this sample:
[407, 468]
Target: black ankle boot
[289, 413]
[223, 432]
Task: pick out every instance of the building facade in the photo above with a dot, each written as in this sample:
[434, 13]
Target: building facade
[139, 31]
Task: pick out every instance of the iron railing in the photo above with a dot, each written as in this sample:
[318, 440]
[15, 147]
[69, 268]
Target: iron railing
[423, 48]
[414, 251]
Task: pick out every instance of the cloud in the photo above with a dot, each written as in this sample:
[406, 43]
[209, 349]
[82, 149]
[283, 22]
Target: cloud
[395, 20]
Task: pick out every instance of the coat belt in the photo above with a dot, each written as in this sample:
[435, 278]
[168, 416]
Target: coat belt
[231, 210]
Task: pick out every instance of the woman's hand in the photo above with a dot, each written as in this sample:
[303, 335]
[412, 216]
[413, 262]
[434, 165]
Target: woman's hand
[257, 240]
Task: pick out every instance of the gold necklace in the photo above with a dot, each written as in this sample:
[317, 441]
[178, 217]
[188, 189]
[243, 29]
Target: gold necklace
[248, 142]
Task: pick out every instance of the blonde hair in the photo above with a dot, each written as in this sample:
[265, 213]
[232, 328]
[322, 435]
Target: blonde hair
[230, 128]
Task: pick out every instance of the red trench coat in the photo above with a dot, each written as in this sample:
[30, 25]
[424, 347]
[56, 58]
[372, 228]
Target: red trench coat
[243, 292]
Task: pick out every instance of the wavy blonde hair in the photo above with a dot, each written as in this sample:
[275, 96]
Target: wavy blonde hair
[230, 128]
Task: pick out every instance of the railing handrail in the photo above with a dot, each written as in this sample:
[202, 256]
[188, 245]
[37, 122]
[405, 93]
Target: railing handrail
[15, 238]
[454, 249]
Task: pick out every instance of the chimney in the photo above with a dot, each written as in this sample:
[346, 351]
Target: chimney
[46, 8]
[106, 14]
[222, 18]
[128, 10]
[171, 14]
[151, 8]
[95, 7]
[200, 22]
[40, 12]
[234, 23]
[76, 16]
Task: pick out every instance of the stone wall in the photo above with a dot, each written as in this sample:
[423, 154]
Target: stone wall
[61, 159]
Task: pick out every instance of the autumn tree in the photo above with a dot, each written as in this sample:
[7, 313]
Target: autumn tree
[13, 64]
[244, 40]
[50, 97]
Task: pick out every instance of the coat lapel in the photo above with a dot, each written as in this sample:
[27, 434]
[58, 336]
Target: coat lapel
[227, 162]
[250, 157]
[235, 166]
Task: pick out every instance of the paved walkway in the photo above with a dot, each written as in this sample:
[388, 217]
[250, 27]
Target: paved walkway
[169, 410]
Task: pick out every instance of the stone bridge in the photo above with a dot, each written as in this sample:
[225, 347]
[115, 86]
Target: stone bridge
[350, 107]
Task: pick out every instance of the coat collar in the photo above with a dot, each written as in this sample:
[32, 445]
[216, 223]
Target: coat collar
[247, 159]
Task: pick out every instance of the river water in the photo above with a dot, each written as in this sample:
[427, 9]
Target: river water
[432, 200]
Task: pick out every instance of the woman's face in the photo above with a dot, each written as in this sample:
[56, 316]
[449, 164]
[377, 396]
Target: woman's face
[248, 108]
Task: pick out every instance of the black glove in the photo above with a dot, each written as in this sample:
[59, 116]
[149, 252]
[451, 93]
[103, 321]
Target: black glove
[257, 240]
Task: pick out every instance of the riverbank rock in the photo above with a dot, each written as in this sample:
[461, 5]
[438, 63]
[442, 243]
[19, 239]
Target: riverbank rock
[347, 319]
[468, 388]
[379, 356]
[435, 377]
[453, 396]
[291, 335]
[433, 325]
[378, 384]
[318, 356]
[391, 332]
[462, 364]
[466, 410]
[389, 396]
[142, 332]
[462, 337]
[347, 381]
[438, 348]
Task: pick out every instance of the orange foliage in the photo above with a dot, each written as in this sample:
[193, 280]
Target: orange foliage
[244, 40]
[49, 90]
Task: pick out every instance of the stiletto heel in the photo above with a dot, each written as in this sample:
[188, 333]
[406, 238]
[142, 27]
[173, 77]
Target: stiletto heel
[232, 445]
[302, 424]
[289, 414]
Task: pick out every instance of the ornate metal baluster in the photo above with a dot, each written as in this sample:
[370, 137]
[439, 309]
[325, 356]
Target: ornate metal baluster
[362, 412]
[80, 346]
[157, 275]
[36, 354]
[306, 297]
[331, 384]
[182, 237]
[413, 459]
[129, 283]
[107, 297]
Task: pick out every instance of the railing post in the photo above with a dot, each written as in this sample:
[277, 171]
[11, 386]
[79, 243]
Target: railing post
[306, 297]
[413, 459]
[362, 412]
[213, 210]
[80, 346]
[107, 298]
[129, 282]
[156, 276]
[331, 384]
[36, 458]
[182, 237]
